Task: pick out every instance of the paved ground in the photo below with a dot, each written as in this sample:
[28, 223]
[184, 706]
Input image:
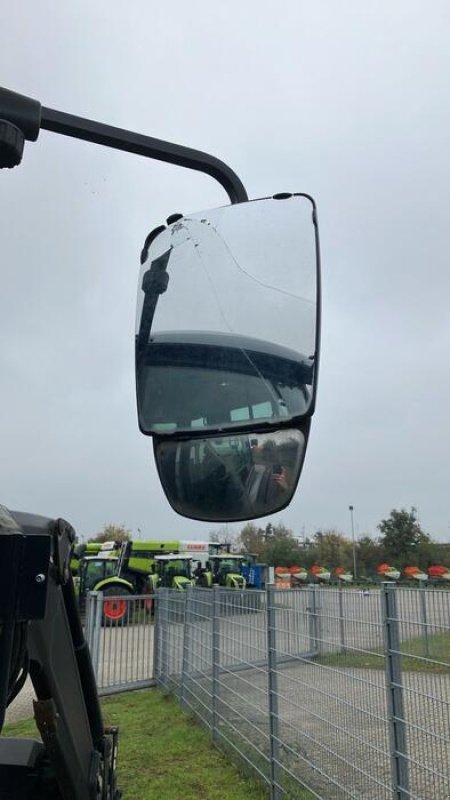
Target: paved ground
[332, 717]
[333, 728]
[22, 707]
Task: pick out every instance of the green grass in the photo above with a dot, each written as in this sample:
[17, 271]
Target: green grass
[163, 753]
[24, 728]
[415, 651]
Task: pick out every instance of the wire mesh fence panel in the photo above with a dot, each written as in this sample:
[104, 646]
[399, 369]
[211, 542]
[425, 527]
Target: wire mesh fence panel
[423, 650]
[298, 621]
[120, 637]
[332, 727]
[323, 692]
[241, 713]
[196, 690]
[169, 632]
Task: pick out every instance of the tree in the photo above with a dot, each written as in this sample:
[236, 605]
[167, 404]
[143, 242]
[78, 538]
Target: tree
[112, 533]
[439, 553]
[282, 550]
[368, 555]
[251, 539]
[332, 549]
[275, 545]
[402, 538]
[224, 535]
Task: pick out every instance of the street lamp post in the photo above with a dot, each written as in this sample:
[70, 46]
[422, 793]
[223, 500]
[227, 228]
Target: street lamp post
[350, 508]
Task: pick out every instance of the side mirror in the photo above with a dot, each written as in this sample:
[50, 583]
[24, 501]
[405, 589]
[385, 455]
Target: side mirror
[227, 347]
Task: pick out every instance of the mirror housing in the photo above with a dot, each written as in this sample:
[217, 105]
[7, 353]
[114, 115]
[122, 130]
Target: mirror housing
[227, 347]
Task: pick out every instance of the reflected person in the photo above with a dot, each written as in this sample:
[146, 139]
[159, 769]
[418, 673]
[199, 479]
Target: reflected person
[269, 480]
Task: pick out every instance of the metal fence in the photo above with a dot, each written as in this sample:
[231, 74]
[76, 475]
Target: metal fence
[121, 645]
[121, 649]
[324, 693]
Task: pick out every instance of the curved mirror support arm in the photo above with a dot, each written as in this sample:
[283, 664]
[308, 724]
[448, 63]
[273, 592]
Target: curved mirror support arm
[27, 116]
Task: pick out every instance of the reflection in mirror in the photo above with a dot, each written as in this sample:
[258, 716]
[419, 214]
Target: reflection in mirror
[227, 318]
[232, 477]
[207, 381]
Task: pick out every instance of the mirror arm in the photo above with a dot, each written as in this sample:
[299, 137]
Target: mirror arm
[21, 118]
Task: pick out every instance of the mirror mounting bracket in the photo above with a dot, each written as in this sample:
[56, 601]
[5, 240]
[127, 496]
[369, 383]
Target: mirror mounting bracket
[29, 117]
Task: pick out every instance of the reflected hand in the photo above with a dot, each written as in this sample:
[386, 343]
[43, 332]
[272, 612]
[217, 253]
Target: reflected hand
[281, 479]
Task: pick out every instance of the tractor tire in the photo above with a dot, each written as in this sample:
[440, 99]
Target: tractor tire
[117, 609]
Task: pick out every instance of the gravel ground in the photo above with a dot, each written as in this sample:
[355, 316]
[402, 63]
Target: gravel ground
[22, 707]
[333, 731]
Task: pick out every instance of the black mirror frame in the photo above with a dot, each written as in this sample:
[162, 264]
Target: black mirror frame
[303, 425]
[159, 287]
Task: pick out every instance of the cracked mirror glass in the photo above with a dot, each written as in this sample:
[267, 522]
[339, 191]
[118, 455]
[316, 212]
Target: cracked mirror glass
[227, 319]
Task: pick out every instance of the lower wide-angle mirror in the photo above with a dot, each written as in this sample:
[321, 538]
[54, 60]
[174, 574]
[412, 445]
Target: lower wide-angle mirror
[232, 477]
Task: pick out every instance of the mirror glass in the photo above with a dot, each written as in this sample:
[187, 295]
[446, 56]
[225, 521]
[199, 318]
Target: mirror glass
[231, 477]
[206, 381]
[227, 319]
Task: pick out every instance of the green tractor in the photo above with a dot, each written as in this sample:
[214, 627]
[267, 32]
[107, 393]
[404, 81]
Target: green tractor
[119, 574]
[101, 573]
[84, 550]
[226, 570]
[172, 571]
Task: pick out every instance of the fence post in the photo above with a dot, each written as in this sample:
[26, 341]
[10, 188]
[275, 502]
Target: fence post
[274, 720]
[96, 618]
[341, 618]
[163, 635]
[156, 605]
[313, 619]
[185, 655]
[423, 594]
[397, 726]
[215, 661]
[88, 621]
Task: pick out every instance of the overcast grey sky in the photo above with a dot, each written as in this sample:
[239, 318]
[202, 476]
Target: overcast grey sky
[348, 101]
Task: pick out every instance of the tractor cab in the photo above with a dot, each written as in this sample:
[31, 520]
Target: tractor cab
[173, 571]
[94, 569]
[226, 570]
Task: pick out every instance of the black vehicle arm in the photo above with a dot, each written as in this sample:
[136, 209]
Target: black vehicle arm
[41, 635]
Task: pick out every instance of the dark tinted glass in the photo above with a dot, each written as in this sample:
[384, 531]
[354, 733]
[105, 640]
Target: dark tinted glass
[189, 381]
[232, 477]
